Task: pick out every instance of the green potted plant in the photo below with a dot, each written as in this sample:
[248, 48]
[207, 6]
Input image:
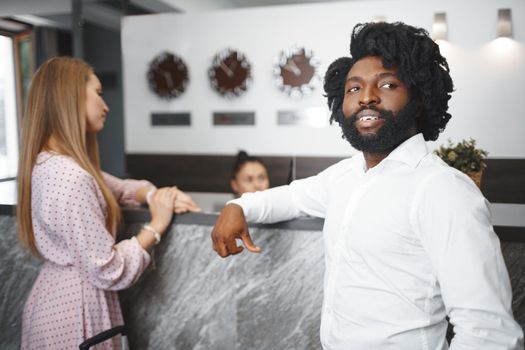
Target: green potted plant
[465, 157]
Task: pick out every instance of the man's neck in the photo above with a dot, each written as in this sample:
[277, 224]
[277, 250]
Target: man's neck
[372, 159]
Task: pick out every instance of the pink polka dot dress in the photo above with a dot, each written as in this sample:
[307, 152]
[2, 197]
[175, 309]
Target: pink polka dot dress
[74, 296]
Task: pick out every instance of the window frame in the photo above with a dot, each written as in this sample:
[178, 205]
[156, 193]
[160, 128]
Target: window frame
[17, 38]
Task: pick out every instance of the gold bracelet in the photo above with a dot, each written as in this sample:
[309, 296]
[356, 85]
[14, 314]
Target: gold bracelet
[155, 233]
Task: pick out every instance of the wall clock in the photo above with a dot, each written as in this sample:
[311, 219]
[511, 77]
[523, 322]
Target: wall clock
[168, 75]
[230, 73]
[296, 71]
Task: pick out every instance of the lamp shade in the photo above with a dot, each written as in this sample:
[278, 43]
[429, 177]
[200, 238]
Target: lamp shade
[439, 28]
[504, 28]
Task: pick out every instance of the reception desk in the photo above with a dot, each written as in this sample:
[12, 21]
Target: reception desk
[193, 299]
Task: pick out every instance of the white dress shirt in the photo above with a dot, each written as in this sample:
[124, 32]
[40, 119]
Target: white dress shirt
[406, 243]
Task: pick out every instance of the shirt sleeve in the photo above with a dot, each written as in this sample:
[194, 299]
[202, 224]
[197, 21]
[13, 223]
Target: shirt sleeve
[125, 190]
[77, 214]
[453, 220]
[309, 196]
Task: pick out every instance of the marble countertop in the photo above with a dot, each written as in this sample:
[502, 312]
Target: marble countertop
[503, 214]
[210, 203]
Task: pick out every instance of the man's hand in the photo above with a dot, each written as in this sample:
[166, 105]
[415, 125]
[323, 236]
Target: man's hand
[231, 225]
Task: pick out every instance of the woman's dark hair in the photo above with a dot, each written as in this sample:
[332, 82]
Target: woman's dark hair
[419, 65]
[241, 159]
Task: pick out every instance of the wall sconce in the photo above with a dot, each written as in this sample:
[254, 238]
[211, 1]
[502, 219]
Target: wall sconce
[439, 28]
[379, 18]
[504, 28]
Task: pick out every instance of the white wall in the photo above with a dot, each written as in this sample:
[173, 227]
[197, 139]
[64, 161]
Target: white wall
[489, 75]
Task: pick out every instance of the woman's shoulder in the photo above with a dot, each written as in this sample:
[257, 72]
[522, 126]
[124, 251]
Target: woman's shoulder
[53, 165]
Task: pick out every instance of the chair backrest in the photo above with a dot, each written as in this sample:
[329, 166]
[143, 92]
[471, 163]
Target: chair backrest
[101, 337]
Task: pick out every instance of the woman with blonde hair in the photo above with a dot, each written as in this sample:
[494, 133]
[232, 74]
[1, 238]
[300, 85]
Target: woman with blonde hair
[68, 212]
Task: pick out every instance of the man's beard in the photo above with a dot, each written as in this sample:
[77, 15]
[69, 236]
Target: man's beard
[395, 129]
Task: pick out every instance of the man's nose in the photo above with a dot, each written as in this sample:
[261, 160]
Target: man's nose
[369, 96]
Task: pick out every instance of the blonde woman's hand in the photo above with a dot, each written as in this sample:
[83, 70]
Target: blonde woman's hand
[162, 206]
[184, 203]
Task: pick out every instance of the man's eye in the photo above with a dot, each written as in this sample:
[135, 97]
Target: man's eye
[353, 89]
[389, 85]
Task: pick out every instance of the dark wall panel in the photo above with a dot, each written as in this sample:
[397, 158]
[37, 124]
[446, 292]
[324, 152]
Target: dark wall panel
[503, 180]
[197, 173]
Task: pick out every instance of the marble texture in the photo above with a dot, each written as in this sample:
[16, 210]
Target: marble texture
[197, 300]
[279, 292]
[19, 271]
[183, 303]
[514, 255]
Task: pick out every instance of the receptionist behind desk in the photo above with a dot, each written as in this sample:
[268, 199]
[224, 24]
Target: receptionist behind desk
[249, 174]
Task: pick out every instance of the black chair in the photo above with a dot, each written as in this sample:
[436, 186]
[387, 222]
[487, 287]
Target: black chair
[110, 333]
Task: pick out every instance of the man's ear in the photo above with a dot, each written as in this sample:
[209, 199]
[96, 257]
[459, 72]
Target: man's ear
[419, 103]
[420, 111]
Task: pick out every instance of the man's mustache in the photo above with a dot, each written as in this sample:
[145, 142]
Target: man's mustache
[383, 113]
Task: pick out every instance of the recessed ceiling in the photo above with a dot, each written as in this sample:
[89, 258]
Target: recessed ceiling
[108, 13]
[207, 5]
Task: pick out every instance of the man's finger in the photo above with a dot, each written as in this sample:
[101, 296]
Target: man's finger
[233, 248]
[220, 248]
[248, 243]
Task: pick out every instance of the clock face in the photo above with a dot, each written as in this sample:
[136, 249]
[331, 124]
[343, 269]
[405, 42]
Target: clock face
[168, 75]
[230, 73]
[296, 72]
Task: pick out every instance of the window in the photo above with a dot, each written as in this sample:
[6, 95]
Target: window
[8, 110]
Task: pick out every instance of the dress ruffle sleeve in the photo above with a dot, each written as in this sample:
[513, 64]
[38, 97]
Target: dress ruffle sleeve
[125, 190]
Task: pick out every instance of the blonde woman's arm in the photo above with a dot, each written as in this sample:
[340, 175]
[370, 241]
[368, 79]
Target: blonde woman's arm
[129, 192]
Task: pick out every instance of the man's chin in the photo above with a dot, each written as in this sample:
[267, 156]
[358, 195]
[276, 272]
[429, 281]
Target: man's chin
[369, 142]
[368, 135]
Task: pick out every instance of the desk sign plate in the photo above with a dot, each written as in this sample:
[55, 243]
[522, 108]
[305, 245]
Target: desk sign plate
[314, 117]
[170, 119]
[233, 118]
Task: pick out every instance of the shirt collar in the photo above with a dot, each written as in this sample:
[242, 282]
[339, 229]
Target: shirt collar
[410, 152]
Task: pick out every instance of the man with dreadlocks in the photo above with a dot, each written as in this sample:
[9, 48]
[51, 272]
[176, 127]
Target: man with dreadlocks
[408, 239]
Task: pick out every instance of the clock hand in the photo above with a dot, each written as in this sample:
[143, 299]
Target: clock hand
[233, 66]
[292, 68]
[169, 80]
[226, 70]
[292, 62]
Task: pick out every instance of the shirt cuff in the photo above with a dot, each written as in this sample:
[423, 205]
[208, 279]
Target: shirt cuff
[246, 201]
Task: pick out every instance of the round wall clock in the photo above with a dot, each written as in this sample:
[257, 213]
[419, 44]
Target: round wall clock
[168, 75]
[230, 73]
[296, 71]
